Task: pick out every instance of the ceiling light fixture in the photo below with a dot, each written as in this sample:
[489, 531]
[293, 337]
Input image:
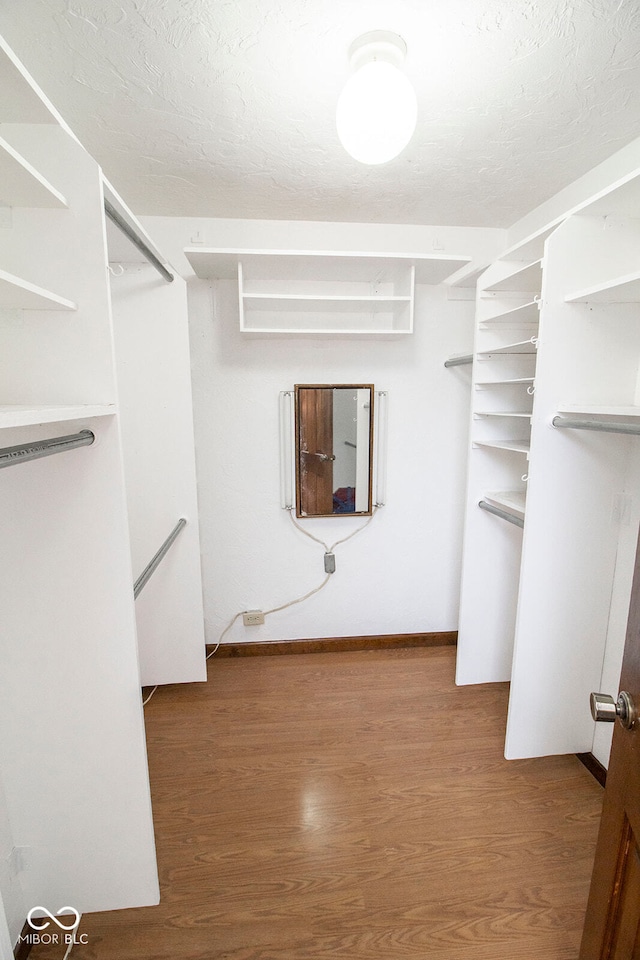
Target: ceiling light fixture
[377, 109]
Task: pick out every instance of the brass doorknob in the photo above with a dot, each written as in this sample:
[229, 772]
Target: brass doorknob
[605, 708]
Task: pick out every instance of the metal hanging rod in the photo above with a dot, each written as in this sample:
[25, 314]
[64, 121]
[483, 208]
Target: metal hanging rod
[155, 561]
[44, 448]
[137, 241]
[458, 361]
[611, 426]
[511, 517]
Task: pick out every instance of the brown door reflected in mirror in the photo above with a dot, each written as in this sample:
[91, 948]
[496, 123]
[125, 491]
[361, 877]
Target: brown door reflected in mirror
[334, 442]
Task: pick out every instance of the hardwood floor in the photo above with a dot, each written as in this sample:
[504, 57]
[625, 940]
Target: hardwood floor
[353, 806]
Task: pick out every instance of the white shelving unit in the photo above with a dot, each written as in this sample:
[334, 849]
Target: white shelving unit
[546, 608]
[504, 374]
[582, 508]
[293, 293]
[75, 804]
[151, 339]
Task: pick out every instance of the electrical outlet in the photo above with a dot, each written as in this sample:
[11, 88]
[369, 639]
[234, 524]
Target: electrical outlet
[253, 618]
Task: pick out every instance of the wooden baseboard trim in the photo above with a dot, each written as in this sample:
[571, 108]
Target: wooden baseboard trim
[594, 767]
[262, 648]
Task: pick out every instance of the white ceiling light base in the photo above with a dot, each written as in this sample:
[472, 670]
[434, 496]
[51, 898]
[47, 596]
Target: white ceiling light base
[377, 109]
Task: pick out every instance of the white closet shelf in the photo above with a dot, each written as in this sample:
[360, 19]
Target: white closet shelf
[21, 185]
[291, 301]
[22, 102]
[525, 278]
[212, 263]
[303, 294]
[624, 289]
[621, 200]
[497, 383]
[522, 346]
[18, 293]
[512, 500]
[630, 413]
[528, 313]
[316, 333]
[22, 415]
[516, 446]
[523, 414]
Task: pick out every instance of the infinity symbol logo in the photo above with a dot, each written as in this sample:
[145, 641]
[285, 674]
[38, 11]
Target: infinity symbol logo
[56, 919]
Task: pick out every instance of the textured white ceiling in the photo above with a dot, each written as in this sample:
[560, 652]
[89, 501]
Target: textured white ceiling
[225, 108]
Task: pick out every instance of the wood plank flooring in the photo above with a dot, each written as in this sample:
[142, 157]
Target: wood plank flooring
[353, 806]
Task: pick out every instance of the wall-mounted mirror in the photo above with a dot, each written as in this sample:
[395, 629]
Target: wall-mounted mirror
[333, 449]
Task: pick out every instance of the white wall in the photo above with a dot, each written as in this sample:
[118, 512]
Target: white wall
[401, 574]
[13, 909]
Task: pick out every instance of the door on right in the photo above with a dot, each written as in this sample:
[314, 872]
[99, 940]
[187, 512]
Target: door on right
[612, 924]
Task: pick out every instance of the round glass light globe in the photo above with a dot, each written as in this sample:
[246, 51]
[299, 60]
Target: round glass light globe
[376, 113]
